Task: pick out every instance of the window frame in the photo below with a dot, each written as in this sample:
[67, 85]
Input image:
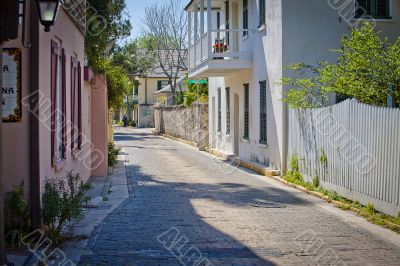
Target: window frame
[58, 58]
[76, 104]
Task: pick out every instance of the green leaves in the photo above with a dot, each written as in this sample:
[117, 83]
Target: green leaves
[195, 92]
[365, 67]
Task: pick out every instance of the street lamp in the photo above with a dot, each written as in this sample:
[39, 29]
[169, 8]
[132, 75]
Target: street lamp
[48, 10]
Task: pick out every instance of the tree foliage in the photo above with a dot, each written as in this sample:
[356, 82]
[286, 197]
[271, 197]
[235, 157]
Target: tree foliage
[368, 70]
[195, 92]
[99, 46]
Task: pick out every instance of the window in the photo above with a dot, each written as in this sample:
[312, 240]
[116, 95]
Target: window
[246, 111]
[58, 105]
[76, 104]
[219, 111]
[228, 111]
[136, 86]
[161, 84]
[374, 8]
[261, 5]
[263, 112]
[245, 17]
[218, 25]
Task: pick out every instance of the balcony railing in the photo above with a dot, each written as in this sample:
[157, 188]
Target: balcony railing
[229, 45]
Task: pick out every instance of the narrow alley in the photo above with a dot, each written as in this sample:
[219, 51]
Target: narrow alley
[186, 207]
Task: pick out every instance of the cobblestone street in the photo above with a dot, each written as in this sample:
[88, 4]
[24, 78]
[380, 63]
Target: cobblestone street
[223, 215]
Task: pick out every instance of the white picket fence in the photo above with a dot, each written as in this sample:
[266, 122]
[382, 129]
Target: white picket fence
[353, 148]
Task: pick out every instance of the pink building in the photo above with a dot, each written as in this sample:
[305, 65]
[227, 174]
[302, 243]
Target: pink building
[51, 105]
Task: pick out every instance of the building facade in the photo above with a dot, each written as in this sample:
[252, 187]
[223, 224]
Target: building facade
[48, 112]
[243, 47]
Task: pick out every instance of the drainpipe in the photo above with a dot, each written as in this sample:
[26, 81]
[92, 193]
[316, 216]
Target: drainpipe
[34, 121]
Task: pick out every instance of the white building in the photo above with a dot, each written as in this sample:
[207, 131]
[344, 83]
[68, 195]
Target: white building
[243, 47]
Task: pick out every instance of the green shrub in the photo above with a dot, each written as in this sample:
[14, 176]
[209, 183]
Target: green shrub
[17, 219]
[62, 201]
[132, 123]
[316, 181]
[113, 152]
[120, 123]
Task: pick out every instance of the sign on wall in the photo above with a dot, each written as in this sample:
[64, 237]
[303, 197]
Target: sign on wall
[11, 88]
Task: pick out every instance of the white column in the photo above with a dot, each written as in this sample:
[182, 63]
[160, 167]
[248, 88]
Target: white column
[190, 31]
[209, 29]
[201, 18]
[196, 23]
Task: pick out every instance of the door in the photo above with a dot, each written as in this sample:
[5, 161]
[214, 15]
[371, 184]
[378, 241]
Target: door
[236, 124]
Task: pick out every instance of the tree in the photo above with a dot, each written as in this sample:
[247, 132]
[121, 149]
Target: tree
[132, 57]
[100, 41]
[99, 47]
[368, 70]
[165, 31]
[195, 92]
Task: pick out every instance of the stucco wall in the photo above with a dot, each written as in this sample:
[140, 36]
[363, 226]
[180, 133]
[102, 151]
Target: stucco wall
[189, 123]
[16, 149]
[72, 40]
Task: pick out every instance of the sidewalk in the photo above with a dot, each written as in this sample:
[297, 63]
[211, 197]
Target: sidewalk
[114, 192]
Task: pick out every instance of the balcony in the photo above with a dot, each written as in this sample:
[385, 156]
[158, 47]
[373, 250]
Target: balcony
[217, 49]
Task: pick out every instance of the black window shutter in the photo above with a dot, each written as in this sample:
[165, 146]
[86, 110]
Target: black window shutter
[261, 13]
[246, 111]
[228, 111]
[219, 111]
[263, 112]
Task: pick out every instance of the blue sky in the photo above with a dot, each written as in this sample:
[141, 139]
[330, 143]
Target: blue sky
[135, 9]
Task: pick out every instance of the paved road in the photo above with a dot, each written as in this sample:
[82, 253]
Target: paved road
[188, 208]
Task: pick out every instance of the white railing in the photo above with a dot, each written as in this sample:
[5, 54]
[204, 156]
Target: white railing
[353, 148]
[232, 44]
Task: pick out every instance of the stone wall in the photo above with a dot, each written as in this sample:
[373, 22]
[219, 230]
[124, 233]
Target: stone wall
[146, 116]
[188, 123]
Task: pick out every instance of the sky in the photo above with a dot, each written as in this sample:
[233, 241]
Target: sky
[135, 9]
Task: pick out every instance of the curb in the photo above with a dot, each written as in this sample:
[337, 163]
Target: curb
[190, 143]
[260, 169]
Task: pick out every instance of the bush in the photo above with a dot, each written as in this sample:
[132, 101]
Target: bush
[17, 219]
[113, 152]
[132, 123]
[62, 201]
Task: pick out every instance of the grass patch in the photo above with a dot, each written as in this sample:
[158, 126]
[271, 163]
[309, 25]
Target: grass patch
[368, 211]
